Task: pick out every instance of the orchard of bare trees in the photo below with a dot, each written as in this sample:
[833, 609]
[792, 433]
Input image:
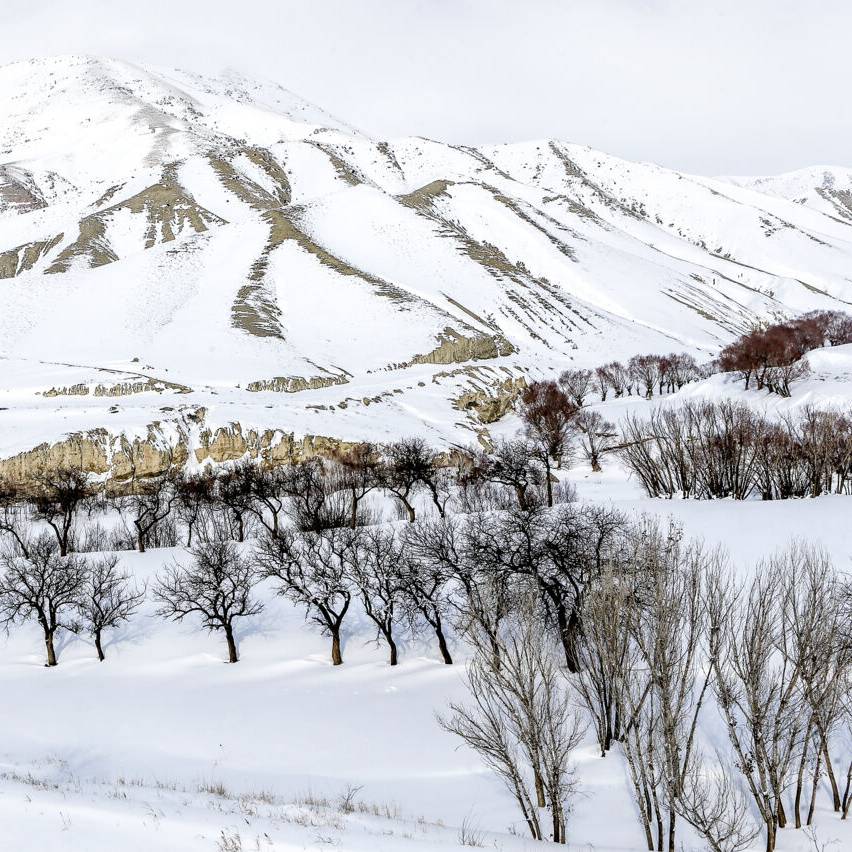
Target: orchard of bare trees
[576, 622]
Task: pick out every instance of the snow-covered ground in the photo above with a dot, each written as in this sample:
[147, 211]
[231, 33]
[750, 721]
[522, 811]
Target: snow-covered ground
[166, 747]
[181, 238]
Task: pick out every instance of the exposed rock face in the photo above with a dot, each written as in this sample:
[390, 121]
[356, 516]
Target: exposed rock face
[455, 348]
[491, 403]
[168, 211]
[23, 258]
[118, 459]
[118, 389]
[17, 191]
[295, 384]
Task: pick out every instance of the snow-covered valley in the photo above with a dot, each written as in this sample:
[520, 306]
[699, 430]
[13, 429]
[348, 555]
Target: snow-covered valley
[200, 273]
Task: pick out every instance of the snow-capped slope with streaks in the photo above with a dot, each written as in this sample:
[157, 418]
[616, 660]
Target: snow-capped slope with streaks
[222, 244]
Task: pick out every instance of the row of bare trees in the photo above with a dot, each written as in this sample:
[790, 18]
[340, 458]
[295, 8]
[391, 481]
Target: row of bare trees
[643, 375]
[773, 356]
[562, 608]
[710, 450]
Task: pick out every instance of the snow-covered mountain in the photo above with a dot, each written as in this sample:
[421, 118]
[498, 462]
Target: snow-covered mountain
[178, 249]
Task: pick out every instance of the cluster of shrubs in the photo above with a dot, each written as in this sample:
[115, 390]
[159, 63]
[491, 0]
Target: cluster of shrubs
[710, 450]
[774, 356]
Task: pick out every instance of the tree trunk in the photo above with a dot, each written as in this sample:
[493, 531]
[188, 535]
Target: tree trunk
[336, 656]
[98, 645]
[835, 792]
[140, 537]
[671, 830]
[572, 628]
[233, 657]
[442, 643]
[659, 819]
[539, 789]
[392, 645]
[549, 483]
[815, 787]
[353, 517]
[847, 793]
[51, 651]
[408, 508]
[770, 835]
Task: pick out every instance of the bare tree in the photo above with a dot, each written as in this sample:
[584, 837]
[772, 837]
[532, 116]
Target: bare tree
[516, 465]
[606, 655]
[668, 628]
[757, 689]
[15, 512]
[578, 384]
[314, 504]
[109, 597]
[266, 492]
[645, 372]
[596, 436]
[409, 465]
[217, 586]
[41, 585]
[426, 586]
[602, 382]
[195, 493]
[712, 803]
[521, 720]
[150, 503]
[312, 570]
[360, 473]
[376, 571]
[59, 495]
[548, 416]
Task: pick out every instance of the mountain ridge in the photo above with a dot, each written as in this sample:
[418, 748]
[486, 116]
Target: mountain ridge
[290, 273]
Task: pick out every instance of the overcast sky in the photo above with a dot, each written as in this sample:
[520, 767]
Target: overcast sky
[710, 86]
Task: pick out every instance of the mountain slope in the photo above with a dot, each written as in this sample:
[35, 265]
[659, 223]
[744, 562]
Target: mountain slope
[188, 243]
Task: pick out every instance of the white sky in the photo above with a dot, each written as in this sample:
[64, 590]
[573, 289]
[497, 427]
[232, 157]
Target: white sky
[710, 86]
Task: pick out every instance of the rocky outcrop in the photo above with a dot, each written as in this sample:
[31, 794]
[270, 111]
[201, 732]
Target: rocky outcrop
[18, 191]
[23, 258]
[489, 403]
[295, 384]
[167, 208]
[455, 348]
[117, 459]
[118, 389]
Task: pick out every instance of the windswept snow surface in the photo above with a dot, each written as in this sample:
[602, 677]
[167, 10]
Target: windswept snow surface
[219, 233]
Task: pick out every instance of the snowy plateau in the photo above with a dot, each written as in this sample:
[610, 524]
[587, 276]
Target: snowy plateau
[182, 255]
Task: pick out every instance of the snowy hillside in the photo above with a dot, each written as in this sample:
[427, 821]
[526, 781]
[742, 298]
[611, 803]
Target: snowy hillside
[184, 250]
